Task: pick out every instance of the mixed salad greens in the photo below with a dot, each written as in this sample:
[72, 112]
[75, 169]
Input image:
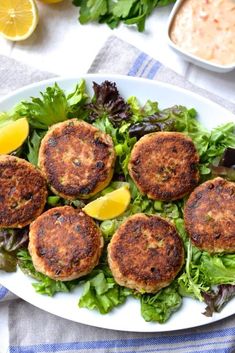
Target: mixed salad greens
[205, 277]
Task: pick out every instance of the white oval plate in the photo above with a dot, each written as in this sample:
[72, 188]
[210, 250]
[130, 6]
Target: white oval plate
[126, 317]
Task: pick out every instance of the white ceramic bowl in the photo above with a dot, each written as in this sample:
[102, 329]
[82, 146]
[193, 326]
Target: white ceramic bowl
[188, 56]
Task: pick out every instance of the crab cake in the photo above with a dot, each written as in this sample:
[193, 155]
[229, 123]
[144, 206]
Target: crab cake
[77, 159]
[209, 216]
[65, 243]
[145, 253]
[23, 192]
[164, 165]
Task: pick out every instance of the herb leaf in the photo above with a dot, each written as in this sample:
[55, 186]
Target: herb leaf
[112, 12]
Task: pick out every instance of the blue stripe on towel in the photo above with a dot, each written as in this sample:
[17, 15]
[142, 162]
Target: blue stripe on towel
[3, 292]
[34, 349]
[153, 64]
[137, 64]
[136, 342]
[73, 346]
[154, 69]
[145, 67]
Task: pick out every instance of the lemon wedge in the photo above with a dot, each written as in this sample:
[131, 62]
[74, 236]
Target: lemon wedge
[18, 18]
[13, 135]
[110, 205]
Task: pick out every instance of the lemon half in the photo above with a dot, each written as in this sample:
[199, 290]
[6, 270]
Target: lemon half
[18, 18]
[109, 206]
[13, 135]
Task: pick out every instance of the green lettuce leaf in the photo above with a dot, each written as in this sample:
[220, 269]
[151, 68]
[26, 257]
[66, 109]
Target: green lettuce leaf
[102, 293]
[204, 270]
[218, 269]
[53, 106]
[33, 145]
[211, 146]
[123, 143]
[192, 281]
[159, 307]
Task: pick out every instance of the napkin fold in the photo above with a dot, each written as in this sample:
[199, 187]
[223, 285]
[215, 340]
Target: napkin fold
[32, 330]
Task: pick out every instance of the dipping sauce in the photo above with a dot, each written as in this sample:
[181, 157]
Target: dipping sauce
[206, 28]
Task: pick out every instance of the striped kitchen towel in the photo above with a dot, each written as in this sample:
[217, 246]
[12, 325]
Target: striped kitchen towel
[32, 330]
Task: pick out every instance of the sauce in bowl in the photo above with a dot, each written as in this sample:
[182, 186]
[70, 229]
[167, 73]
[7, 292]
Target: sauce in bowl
[206, 29]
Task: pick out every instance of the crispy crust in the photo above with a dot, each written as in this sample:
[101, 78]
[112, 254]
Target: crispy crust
[23, 192]
[209, 216]
[65, 243]
[145, 253]
[77, 159]
[164, 165]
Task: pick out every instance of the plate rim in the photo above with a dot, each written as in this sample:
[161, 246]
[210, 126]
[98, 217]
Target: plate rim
[110, 76]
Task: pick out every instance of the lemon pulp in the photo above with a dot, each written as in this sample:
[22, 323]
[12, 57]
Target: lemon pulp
[110, 205]
[13, 135]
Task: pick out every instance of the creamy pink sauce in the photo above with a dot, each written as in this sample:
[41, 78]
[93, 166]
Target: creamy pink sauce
[206, 28]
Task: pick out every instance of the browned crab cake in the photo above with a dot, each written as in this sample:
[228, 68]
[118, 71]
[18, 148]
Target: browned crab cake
[209, 216]
[145, 253]
[65, 243]
[164, 165]
[23, 192]
[77, 159]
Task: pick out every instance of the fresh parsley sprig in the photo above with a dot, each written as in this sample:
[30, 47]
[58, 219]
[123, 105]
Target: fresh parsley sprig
[130, 12]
